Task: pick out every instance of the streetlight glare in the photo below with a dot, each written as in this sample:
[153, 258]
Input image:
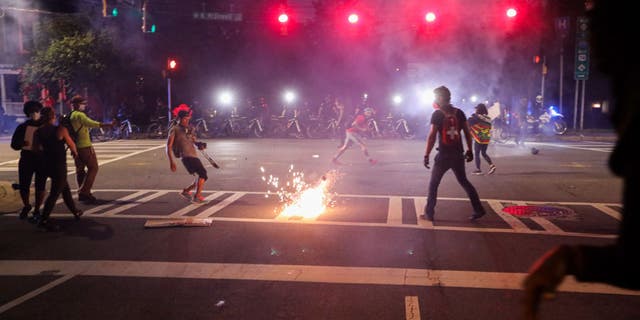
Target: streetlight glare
[430, 17]
[225, 98]
[289, 96]
[353, 18]
[397, 99]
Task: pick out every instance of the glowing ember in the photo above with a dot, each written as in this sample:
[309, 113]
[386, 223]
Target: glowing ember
[301, 199]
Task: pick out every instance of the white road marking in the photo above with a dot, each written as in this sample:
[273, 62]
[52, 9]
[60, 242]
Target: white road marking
[419, 203]
[411, 308]
[587, 147]
[192, 206]
[512, 221]
[612, 213]
[294, 273]
[544, 223]
[114, 203]
[34, 293]
[128, 206]
[394, 213]
[219, 206]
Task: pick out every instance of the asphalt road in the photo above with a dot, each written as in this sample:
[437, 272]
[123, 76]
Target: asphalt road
[367, 257]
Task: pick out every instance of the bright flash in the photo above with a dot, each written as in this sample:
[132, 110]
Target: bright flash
[301, 199]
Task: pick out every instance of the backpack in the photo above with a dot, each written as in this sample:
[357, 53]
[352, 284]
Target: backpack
[450, 129]
[65, 121]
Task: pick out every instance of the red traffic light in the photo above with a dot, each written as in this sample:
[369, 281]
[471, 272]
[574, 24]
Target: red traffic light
[511, 13]
[283, 18]
[172, 64]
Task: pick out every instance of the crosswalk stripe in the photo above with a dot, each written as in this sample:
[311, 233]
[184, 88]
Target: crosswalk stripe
[612, 213]
[115, 202]
[512, 221]
[122, 208]
[219, 206]
[192, 206]
[394, 213]
[543, 222]
[419, 203]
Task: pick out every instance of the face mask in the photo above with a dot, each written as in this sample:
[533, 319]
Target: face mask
[35, 116]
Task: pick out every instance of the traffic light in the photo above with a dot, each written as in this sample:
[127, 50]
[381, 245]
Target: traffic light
[109, 11]
[511, 12]
[353, 18]
[172, 64]
[430, 17]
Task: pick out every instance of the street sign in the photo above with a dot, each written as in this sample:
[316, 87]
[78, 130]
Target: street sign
[562, 26]
[582, 49]
[202, 15]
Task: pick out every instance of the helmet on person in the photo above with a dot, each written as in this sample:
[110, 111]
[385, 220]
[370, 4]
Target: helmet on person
[31, 106]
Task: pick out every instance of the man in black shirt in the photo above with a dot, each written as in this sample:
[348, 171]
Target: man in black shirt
[446, 124]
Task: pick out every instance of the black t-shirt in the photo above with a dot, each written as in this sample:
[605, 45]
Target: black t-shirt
[437, 119]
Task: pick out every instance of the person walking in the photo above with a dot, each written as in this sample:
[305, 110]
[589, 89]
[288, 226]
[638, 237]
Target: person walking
[480, 127]
[30, 162]
[53, 140]
[353, 135]
[447, 123]
[86, 162]
[181, 143]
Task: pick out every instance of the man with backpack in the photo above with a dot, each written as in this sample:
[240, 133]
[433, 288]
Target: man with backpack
[447, 122]
[86, 162]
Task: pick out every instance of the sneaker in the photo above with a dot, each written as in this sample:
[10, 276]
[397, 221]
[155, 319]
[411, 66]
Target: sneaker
[476, 216]
[198, 200]
[373, 162]
[477, 172]
[426, 217]
[492, 168]
[186, 194]
[24, 213]
[35, 217]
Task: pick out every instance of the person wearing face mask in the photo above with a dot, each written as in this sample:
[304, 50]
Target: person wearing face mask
[30, 162]
[86, 162]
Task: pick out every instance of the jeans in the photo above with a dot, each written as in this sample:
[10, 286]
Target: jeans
[455, 162]
[479, 148]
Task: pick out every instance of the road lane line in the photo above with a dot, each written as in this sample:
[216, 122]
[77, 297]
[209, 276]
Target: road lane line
[419, 203]
[411, 308]
[294, 273]
[612, 213]
[114, 202]
[394, 213]
[220, 206]
[514, 222]
[34, 293]
[128, 206]
[192, 206]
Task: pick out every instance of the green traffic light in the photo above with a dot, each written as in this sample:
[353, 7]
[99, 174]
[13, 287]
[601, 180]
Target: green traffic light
[114, 12]
[153, 28]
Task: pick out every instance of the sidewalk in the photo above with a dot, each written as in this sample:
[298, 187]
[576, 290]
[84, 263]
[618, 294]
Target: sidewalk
[604, 135]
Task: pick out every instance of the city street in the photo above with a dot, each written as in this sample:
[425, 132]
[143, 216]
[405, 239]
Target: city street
[367, 256]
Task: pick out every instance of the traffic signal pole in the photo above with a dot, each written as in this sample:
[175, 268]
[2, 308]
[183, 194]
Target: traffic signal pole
[168, 101]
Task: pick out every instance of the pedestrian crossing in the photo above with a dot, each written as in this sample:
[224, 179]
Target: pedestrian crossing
[598, 220]
[106, 152]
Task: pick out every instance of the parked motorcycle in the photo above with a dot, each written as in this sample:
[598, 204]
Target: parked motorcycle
[550, 121]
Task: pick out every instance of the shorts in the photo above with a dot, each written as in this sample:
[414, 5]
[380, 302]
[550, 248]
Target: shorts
[194, 166]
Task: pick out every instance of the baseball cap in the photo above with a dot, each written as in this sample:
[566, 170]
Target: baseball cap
[78, 99]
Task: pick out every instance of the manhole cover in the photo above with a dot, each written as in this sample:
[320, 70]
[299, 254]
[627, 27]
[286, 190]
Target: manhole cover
[548, 212]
